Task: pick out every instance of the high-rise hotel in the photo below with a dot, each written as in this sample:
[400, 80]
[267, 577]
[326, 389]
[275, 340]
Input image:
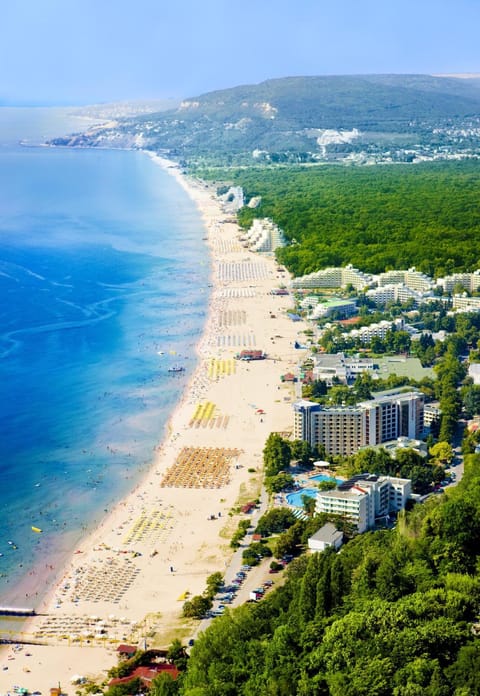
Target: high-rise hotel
[344, 429]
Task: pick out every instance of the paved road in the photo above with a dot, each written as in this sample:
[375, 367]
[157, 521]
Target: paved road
[458, 462]
[254, 578]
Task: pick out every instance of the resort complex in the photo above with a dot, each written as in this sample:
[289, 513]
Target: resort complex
[334, 278]
[399, 286]
[160, 546]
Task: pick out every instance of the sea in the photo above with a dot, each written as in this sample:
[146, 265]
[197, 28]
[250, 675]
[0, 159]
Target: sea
[103, 287]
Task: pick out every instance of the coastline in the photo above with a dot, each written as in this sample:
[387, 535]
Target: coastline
[158, 543]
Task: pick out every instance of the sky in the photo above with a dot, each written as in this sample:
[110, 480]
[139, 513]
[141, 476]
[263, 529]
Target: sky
[91, 51]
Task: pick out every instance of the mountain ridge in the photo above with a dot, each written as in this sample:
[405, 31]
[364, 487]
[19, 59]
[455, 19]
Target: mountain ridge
[281, 115]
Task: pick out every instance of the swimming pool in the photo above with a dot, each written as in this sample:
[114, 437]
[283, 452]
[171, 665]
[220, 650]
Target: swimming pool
[296, 498]
[324, 477]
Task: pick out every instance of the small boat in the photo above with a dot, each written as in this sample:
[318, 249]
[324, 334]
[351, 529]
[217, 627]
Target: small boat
[36, 529]
[176, 368]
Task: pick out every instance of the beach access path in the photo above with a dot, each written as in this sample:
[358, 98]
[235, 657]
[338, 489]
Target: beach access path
[127, 581]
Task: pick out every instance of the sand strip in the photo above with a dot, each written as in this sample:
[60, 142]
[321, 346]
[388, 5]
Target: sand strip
[128, 580]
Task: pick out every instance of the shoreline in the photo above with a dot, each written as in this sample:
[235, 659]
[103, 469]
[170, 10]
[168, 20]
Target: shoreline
[158, 543]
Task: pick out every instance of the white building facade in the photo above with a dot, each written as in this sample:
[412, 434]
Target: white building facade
[336, 277]
[470, 281]
[379, 330]
[264, 235]
[331, 367]
[364, 498]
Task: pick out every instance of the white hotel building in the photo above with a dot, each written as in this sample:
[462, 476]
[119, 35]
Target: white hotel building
[470, 281]
[335, 277]
[364, 498]
[263, 235]
[411, 278]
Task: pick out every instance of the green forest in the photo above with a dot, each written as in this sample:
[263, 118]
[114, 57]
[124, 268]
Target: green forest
[377, 218]
[394, 612]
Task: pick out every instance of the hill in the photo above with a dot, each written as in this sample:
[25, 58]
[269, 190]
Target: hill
[308, 118]
[395, 613]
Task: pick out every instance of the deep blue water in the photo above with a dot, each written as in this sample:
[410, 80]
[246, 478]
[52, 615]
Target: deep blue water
[102, 266]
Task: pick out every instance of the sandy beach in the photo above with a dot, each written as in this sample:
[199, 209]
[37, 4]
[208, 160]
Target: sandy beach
[128, 580]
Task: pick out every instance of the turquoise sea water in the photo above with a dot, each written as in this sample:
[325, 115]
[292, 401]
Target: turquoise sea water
[102, 267]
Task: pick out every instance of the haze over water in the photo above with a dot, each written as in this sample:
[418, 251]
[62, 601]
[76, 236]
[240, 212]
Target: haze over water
[102, 267]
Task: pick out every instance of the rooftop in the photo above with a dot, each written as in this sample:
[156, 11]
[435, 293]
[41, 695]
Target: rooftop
[328, 533]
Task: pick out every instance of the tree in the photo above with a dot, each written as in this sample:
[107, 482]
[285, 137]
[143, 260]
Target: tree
[377, 345]
[301, 450]
[421, 478]
[442, 453]
[255, 552]
[276, 454]
[134, 686]
[408, 458]
[164, 685]
[471, 399]
[342, 395]
[327, 485]
[178, 655]
[308, 504]
[419, 677]
[274, 521]
[288, 542]
[463, 674]
[214, 583]
[197, 607]
[280, 482]
[363, 386]
[319, 388]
